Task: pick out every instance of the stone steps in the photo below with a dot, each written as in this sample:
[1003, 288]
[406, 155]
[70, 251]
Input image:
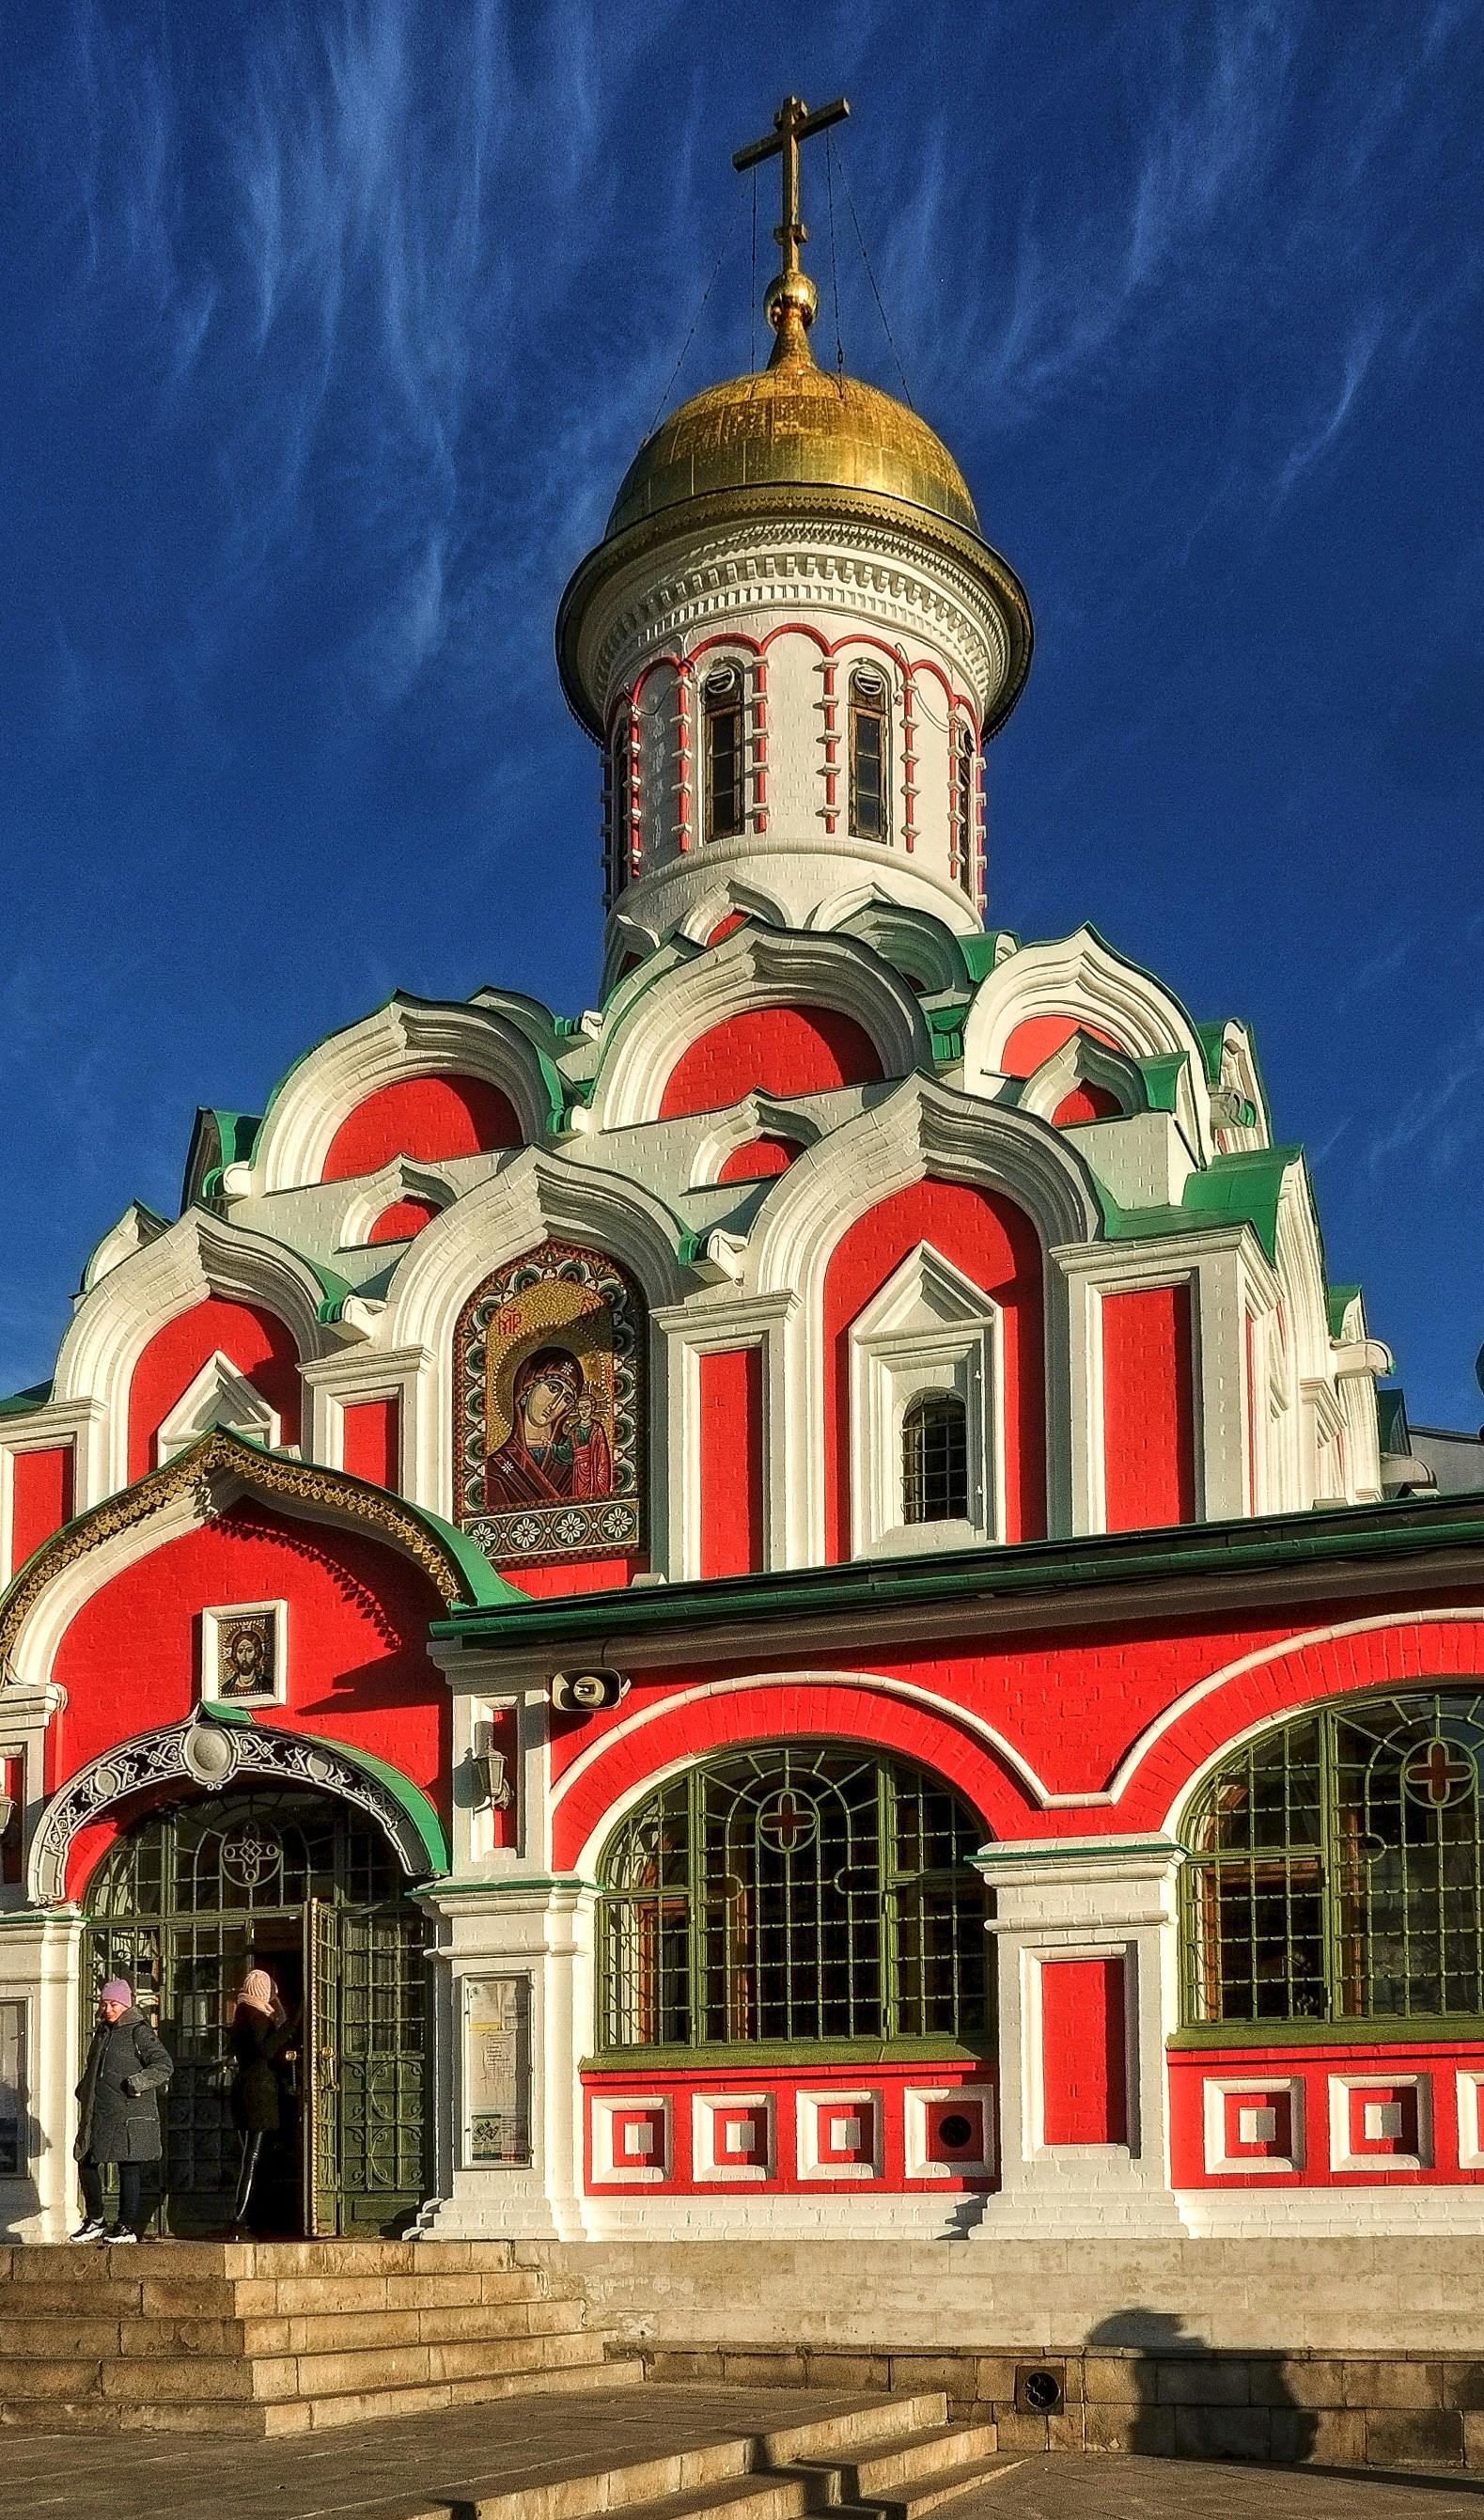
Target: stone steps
[272, 2338]
[881, 2459]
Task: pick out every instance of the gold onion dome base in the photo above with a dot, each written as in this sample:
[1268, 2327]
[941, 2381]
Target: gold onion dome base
[793, 423]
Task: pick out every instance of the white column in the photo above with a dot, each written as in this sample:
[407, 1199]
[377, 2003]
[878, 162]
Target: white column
[1112, 1901]
[40, 1955]
[516, 2003]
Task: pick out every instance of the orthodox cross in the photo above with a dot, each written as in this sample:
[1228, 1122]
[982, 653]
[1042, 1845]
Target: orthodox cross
[788, 1823]
[1439, 1773]
[791, 124]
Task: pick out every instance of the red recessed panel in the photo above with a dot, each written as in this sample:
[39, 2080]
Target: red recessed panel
[759, 1159]
[997, 1247]
[1148, 1407]
[41, 1498]
[772, 1049]
[731, 1462]
[1031, 1042]
[430, 1119]
[1082, 2059]
[251, 1337]
[1085, 1101]
[402, 1220]
[370, 1441]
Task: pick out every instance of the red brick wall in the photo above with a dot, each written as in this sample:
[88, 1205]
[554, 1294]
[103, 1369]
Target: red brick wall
[256, 1340]
[1032, 1041]
[402, 1220]
[997, 1247]
[770, 1050]
[1148, 1407]
[427, 1117]
[1083, 2055]
[370, 1441]
[731, 1462]
[41, 1498]
[357, 1622]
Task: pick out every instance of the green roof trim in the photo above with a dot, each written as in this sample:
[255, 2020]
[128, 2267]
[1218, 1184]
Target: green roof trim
[1316, 1542]
[408, 1797]
[1340, 1299]
[1391, 1418]
[945, 1031]
[19, 1404]
[1212, 1038]
[1162, 1078]
[981, 953]
[1238, 1188]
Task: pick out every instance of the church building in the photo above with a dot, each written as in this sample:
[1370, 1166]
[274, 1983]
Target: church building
[784, 1606]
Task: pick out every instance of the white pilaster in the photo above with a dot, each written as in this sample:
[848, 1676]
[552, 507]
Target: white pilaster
[1083, 1900]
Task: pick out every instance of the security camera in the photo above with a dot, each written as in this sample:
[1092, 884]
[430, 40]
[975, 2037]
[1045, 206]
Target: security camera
[581, 1692]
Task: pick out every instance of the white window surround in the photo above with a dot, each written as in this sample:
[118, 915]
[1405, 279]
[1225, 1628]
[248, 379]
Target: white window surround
[221, 1395]
[928, 1329]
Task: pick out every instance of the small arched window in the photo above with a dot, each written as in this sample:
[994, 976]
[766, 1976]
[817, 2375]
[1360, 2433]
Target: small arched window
[869, 766]
[965, 765]
[795, 1893]
[1336, 1869]
[935, 1458]
[620, 801]
[724, 753]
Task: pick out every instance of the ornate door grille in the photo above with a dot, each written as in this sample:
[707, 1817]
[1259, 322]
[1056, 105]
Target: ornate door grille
[790, 1896]
[183, 1905]
[1338, 1869]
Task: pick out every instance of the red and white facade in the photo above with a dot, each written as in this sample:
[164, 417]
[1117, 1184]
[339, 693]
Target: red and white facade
[826, 1150]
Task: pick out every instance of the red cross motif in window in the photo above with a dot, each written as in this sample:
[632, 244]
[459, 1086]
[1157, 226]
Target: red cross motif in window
[788, 1823]
[1440, 1772]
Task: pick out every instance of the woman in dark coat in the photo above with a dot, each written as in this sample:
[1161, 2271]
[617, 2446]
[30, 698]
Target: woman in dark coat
[120, 2115]
[254, 2044]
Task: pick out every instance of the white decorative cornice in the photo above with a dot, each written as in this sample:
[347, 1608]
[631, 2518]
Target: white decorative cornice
[755, 967]
[403, 1039]
[922, 1130]
[862, 571]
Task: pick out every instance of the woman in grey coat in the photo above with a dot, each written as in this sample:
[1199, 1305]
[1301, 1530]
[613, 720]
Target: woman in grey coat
[119, 2117]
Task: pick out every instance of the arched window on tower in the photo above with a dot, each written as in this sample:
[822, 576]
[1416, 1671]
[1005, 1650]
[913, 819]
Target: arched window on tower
[935, 1458]
[868, 769]
[965, 763]
[725, 754]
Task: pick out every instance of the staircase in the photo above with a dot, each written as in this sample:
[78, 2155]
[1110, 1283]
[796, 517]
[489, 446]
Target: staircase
[271, 2338]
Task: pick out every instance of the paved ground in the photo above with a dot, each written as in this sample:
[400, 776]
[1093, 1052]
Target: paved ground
[386, 2470]
[1110, 2487]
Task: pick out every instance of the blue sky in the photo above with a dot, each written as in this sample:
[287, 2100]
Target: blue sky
[331, 328]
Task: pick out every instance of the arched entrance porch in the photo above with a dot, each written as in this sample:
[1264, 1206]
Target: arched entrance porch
[276, 1875]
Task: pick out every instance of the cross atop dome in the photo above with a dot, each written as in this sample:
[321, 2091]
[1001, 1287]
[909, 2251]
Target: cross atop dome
[792, 299]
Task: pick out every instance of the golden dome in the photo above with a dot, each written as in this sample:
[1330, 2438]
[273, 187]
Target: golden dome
[793, 423]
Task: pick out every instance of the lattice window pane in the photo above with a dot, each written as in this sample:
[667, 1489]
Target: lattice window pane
[827, 1896]
[1338, 1869]
[935, 1459]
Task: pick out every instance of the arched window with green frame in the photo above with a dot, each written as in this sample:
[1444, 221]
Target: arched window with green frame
[1336, 1869]
[814, 1894]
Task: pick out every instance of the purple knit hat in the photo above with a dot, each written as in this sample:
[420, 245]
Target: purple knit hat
[117, 1991]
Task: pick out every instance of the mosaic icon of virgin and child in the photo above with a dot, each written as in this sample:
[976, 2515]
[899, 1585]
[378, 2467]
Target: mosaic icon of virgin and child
[554, 1431]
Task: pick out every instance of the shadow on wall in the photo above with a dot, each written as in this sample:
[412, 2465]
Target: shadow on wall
[1171, 2395]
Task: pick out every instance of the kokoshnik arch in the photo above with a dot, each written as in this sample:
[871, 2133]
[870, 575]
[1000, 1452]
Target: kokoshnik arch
[806, 1568]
